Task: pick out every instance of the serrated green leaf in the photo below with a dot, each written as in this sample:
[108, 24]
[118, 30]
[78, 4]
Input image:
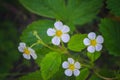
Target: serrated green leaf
[83, 11]
[47, 8]
[41, 27]
[50, 64]
[93, 56]
[76, 42]
[114, 6]
[32, 76]
[70, 12]
[83, 74]
[111, 32]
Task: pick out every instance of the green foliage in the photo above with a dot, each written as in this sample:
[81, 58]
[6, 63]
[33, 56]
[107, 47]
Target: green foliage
[59, 75]
[71, 12]
[82, 11]
[41, 27]
[41, 52]
[114, 6]
[94, 77]
[32, 76]
[50, 64]
[47, 8]
[93, 56]
[110, 30]
[76, 42]
[83, 74]
[107, 72]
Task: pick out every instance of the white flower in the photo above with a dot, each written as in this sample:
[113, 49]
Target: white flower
[71, 67]
[94, 43]
[27, 51]
[59, 32]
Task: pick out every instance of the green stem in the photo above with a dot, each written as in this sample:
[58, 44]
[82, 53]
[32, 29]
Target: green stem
[34, 44]
[47, 46]
[84, 65]
[63, 46]
[40, 41]
[36, 35]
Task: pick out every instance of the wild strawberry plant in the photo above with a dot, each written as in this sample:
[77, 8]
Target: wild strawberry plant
[61, 51]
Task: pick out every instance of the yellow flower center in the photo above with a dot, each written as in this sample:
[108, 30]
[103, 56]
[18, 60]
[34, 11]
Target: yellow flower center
[26, 51]
[71, 67]
[93, 42]
[58, 33]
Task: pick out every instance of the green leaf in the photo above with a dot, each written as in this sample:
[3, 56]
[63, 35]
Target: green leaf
[94, 77]
[114, 6]
[76, 42]
[83, 11]
[41, 54]
[32, 76]
[50, 64]
[47, 8]
[83, 74]
[71, 11]
[60, 75]
[41, 27]
[93, 56]
[111, 32]
[107, 72]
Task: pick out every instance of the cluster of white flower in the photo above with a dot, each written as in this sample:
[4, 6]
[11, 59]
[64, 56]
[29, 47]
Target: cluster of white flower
[27, 51]
[60, 33]
[71, 67]
[93, 42]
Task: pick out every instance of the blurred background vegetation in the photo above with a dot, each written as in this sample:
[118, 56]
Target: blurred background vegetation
[13, 19]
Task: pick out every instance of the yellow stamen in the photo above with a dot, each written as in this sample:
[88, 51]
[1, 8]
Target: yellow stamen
[26, 51]
[58, 33]
[93, 42]
[71, 67]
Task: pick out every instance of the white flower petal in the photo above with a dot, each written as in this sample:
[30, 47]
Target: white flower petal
[91, 49]
[76, 72]
[56, 40]
[65, 64]
[91, 35]
[77, 65]
[22, 44]
[65, 38]
[68, 72]
[99, 39]
[21, 49]
[70, 60]
[86, 41]
[51, 32]
[65, 29]
[58, 25]
[32, 53]
[26, 56]
[98, 47]
[34, 56]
